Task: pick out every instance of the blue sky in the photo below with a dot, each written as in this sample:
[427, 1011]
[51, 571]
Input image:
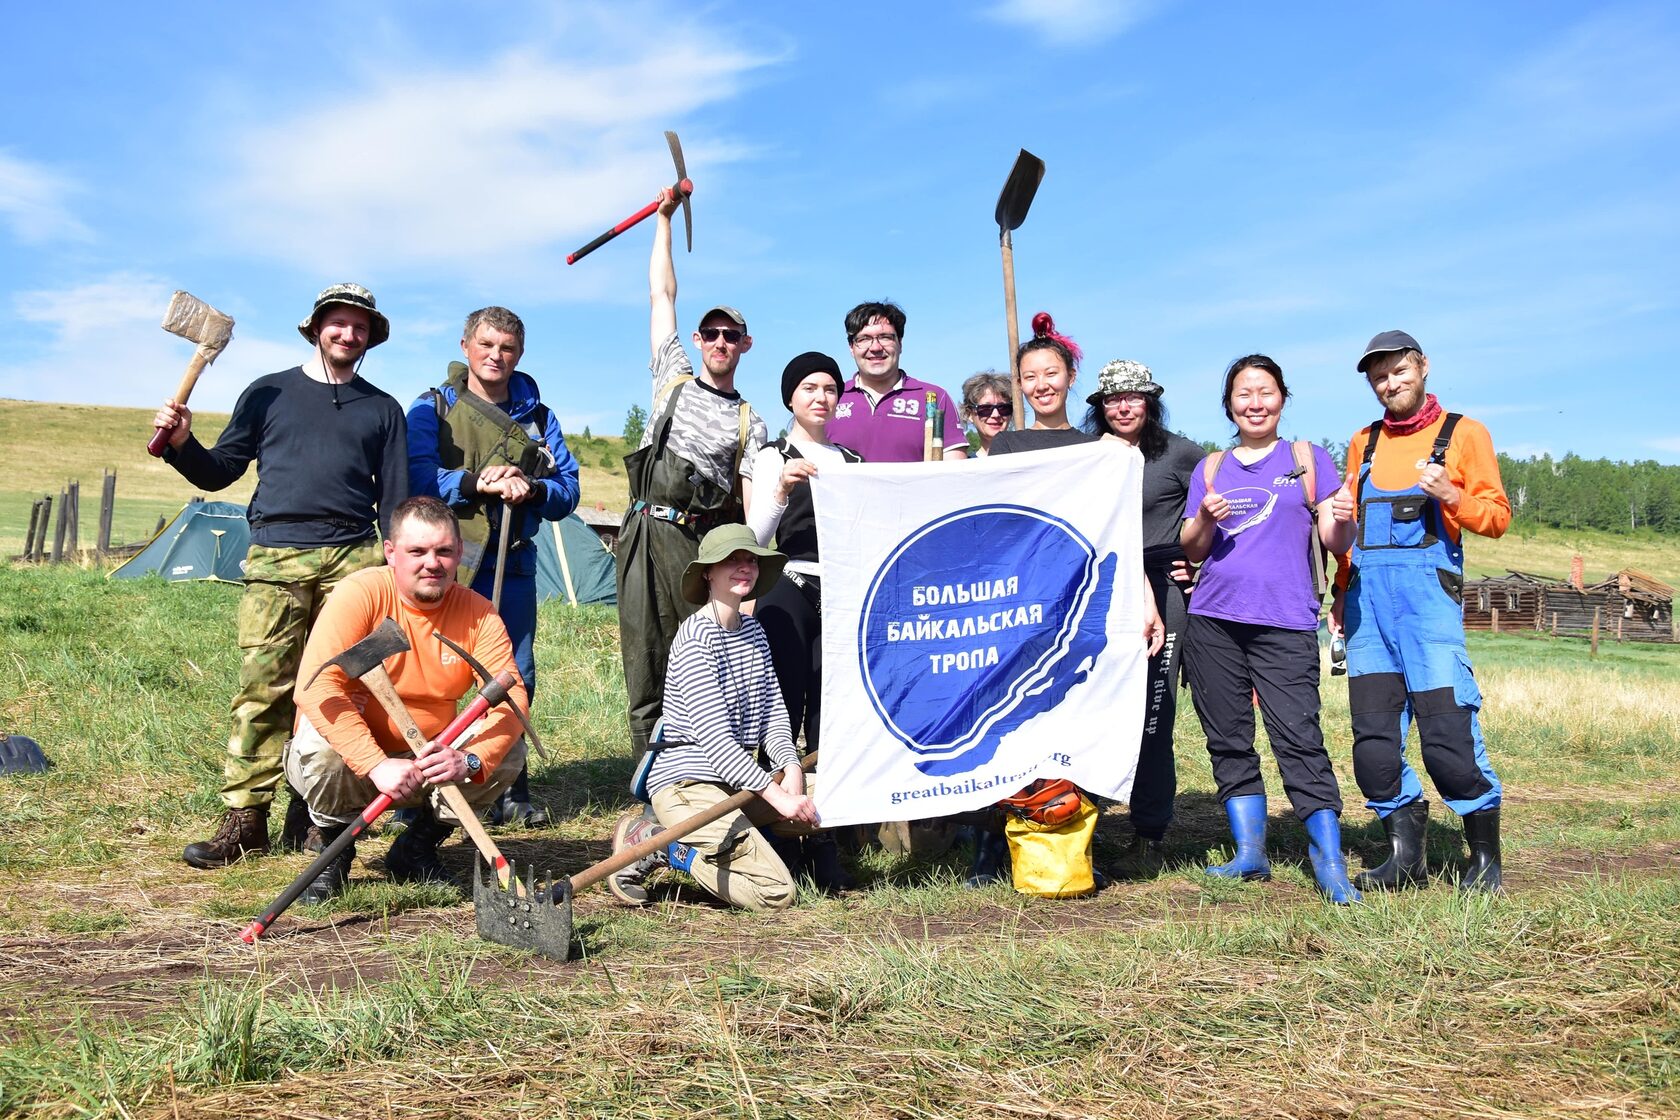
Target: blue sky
[1498, 179]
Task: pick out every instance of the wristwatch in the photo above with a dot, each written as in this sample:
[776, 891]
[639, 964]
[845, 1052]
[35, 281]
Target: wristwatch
[474, 766]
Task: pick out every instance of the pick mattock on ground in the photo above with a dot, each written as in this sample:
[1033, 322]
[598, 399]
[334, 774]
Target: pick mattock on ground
[195, 321]
[1013, 203]
[684, 186]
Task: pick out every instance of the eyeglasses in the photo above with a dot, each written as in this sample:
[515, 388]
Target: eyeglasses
[730, 334]
[870, 341]
[990, 410]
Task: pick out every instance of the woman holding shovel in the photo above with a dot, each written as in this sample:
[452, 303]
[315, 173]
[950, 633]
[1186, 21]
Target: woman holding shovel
[791, 611]
[723, 708]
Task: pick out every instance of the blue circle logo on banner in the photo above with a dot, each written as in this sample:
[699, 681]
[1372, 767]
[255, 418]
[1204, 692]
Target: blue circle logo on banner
[977, 622]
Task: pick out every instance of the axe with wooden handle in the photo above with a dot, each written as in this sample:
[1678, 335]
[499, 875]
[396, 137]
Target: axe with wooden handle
[195, 321]
[365, 661]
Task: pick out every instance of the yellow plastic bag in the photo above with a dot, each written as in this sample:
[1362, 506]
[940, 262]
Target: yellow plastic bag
[1053, 861]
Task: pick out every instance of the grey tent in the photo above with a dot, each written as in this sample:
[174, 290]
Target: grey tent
[573, 565]
[206, 540]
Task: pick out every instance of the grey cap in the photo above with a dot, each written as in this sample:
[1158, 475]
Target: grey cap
[1387, 343]
[724, 309]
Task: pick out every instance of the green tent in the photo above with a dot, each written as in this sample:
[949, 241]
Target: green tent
[206, 540]
[574, 565]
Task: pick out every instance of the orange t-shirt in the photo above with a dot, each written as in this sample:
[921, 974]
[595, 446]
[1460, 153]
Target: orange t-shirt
[1471, 464]
[430, 678]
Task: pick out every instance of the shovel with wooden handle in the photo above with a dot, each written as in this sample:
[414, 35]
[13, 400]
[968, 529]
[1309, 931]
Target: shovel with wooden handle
[1013, 203]
[195, 321]
[684, 186]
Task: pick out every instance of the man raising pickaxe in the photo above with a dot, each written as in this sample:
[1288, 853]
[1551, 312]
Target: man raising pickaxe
[348, 748]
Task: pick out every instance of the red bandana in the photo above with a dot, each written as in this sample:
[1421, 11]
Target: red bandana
[1427, 415]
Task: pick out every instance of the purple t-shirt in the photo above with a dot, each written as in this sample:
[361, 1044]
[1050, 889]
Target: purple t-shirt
[1258, 570]
[891, 431]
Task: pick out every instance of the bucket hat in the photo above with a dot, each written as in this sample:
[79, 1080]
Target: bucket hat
[350, 295]
[1123, 375]
[720, 544]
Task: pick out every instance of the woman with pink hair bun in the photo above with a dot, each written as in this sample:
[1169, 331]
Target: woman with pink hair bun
[1049, 365]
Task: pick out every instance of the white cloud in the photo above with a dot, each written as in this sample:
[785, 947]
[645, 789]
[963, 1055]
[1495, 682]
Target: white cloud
[101, 341]
[475, 170]
[32, 202]
[1665, 443]
[1073, 22]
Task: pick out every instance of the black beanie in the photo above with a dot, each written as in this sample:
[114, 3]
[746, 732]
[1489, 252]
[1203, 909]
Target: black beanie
[812, 361]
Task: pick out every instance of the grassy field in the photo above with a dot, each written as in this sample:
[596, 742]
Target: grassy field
[125, 993]
[47, 445]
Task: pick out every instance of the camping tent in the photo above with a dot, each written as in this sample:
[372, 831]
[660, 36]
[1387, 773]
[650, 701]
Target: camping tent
[206, 540]
[573, 565]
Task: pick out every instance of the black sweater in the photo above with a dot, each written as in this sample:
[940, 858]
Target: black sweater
[327, 456]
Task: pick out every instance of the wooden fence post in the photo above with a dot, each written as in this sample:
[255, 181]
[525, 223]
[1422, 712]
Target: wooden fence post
[42, 529]
[1595, 632]
[1618, 627]
[60, 526]
[74, 491]
[1554, 624]
[29, 537]
[107, 505]
[1494, 613]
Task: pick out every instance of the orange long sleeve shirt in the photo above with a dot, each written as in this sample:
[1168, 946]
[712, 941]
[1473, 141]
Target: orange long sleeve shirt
[1471, 464]
[430, 678]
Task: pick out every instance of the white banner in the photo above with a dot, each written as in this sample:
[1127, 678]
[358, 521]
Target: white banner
[982, 627]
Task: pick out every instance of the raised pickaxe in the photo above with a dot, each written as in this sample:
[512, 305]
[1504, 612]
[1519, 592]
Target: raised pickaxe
[195, 321]
[491, 694]
[684, 186]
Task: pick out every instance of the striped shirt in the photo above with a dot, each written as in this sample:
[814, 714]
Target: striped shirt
[722, 703]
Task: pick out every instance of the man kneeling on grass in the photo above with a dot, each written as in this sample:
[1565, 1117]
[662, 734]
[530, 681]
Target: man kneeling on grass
[722, 707]
[347, 750]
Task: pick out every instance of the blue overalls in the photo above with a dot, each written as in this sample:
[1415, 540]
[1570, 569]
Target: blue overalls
[1405, 650]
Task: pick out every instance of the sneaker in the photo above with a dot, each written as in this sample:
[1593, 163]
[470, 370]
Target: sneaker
[332, 879]
[629, 884]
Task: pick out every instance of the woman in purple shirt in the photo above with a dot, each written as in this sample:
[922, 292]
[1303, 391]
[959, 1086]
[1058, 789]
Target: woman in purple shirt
[1253, 627]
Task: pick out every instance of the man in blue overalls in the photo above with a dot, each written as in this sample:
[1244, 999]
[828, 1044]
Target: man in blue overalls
[1420, 477]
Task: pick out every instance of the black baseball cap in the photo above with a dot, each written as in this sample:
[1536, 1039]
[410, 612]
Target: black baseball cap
[1386, 343]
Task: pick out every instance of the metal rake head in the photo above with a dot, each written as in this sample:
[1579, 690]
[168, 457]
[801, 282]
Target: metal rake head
[538, 921]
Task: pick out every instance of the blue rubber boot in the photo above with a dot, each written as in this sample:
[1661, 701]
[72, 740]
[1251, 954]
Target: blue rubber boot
[1247, 815]
[1324, 845]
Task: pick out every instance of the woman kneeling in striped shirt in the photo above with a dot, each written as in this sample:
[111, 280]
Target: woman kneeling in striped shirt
[722, 708]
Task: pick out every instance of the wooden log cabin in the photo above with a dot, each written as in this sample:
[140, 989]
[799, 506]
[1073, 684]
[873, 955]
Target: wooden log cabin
[1631, 606]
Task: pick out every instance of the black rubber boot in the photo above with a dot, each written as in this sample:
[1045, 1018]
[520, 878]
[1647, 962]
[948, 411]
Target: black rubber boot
[331, 881]
[991, 860]
[294, 834]
[822, 859]
[413, 857]
[1481, 832]
[1407, 829]
[792, 851]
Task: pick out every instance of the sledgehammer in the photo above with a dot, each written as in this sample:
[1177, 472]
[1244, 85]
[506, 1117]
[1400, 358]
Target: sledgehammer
[195, 321]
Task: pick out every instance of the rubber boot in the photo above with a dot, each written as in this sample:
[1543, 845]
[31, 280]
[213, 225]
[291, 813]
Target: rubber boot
[1481, 832]
[1406, 829]
[413, 857]
[822, 860]
[1247, 815]
[331, 881]
[991, 860]
[1329, 862]
[294, 834]
[244, 832]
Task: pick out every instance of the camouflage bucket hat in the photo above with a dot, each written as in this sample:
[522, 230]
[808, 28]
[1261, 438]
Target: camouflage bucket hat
[1124, 376]
[350, 295]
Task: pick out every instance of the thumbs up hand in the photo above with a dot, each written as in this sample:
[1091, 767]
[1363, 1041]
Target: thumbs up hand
[1341, 503]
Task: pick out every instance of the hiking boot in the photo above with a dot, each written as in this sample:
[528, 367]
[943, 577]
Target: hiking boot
[1481, 832]
[244, 832]
[294, 834]
[1406, 829]
[517, 812]
[629, 884]
[413, 856]
[332, 879]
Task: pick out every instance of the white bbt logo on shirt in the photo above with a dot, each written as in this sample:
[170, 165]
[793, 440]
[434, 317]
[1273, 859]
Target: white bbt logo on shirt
[844, 412]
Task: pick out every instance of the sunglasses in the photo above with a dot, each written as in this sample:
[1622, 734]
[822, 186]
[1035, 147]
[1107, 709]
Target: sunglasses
[730, 334]
[990, 410]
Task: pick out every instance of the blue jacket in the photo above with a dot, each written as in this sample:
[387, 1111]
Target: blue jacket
[556, 495]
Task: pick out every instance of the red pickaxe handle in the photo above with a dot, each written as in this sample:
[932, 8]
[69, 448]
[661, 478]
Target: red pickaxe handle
[685, 188]
[376, 808]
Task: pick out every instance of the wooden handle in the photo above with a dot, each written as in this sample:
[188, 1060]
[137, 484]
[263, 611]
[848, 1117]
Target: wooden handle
[379, 683]
[593, 874]
[1017, 419]
[195, 366]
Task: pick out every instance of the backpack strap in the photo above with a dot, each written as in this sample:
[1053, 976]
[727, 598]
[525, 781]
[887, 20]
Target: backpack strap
[1306, 472]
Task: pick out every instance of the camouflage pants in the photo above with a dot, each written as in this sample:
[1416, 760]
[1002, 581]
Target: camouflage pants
[284, 590]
